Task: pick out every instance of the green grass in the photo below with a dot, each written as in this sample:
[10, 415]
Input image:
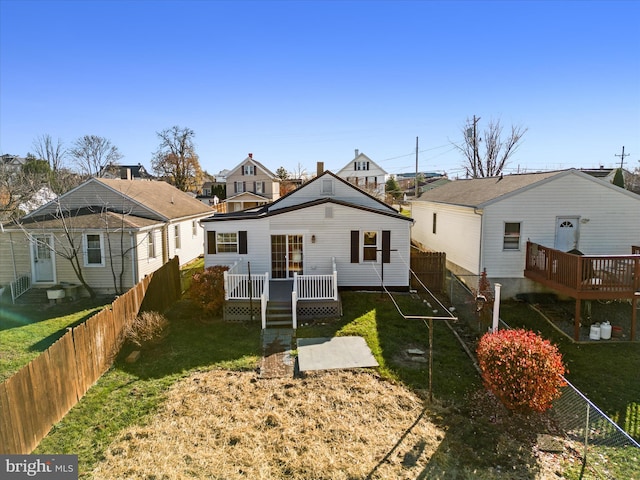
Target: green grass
[26, 332]
[607, 373]
[187, 271]
[375, 318]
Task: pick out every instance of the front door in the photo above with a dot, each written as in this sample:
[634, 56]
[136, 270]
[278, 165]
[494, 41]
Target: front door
[286, 255]
[567, 233]
[43, 258]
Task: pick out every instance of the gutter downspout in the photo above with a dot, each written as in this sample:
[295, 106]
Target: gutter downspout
[480, 211]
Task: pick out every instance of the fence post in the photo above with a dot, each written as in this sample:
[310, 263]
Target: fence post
[226, 284]
[496, 308]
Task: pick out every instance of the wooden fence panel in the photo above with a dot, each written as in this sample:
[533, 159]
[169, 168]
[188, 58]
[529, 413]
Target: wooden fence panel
[10, 431]
[430, 268]
[41, 393]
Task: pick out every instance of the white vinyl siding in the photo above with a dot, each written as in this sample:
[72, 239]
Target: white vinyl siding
[332, 239]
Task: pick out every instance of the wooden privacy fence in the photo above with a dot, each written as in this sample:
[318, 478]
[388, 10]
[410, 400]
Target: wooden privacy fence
[430, 268]
[41, 394]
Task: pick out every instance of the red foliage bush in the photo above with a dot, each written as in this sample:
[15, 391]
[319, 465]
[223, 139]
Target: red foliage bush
[521, 368]
[207, 289]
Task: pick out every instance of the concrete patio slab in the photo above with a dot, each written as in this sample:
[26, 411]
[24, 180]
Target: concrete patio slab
[334, 353]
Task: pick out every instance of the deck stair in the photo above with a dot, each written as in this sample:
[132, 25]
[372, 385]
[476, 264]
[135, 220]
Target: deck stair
[279, 314]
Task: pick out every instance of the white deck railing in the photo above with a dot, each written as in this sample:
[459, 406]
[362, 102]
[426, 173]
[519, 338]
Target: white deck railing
[317, 287]
[242, 286]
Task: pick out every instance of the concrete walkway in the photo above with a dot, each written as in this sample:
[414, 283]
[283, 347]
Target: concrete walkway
[276, 353]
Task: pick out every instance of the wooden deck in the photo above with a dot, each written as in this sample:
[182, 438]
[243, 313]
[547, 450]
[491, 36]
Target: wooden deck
[586, 277]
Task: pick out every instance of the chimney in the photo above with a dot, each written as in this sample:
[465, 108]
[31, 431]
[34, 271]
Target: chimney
[125, 173]
[320, 168]
[251, 155]
[357, 153]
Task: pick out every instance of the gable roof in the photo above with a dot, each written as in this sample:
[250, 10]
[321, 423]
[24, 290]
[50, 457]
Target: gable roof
[479, 192]
[253, 161]
[361, 157]
[156, 197]
[282, 205]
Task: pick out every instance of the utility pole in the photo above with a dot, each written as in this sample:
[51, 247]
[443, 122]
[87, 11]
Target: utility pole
[472, 135]
[415, 183]
[622, 156]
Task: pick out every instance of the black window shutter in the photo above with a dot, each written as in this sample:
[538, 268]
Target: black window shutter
[242, 242]
[386, 246]
[355, 246]
[242, 170]
[244, 186]
[211, 242]
[254, 187]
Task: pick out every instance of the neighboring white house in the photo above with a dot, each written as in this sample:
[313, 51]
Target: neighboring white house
[124, 228]
[484, 223]
[366, 174]
[327, 223]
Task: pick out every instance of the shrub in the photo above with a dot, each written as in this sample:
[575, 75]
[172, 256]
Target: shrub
[146, 328]
[207, 289]
[522, 369]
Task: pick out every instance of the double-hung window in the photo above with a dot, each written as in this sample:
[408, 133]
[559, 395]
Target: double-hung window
[151, 244]
[227, 242]
[369, 246]
[511, 238]
[93, 248]
[176, 234]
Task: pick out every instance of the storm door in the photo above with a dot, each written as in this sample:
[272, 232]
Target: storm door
[43, 258]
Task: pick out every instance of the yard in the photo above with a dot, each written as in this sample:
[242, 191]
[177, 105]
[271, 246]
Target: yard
[193, 406]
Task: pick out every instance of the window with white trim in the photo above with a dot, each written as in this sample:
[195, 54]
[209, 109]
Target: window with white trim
[151, 244]
[249, 170]
[369, 246]
[511, 239]
[227, 242]
[176, 235]
[239, 187]
[93, 250]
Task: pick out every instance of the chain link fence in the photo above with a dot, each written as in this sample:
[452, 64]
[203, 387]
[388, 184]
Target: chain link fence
[606, 451]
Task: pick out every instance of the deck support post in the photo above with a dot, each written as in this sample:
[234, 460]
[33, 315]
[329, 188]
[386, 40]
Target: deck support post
[576, 323]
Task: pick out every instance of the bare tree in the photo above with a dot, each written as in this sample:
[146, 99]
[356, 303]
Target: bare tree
[491, 160]
[53, 153]
[176, 160]
[92, 153]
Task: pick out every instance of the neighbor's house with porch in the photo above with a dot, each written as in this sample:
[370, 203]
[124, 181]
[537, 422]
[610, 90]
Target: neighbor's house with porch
[250, 184]
[366, 174]
[563, 231]
[304, 247]
[138, 225]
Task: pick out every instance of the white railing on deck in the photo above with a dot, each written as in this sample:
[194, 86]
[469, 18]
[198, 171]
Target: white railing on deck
[317, 287]
[19, 286]
[239, 286]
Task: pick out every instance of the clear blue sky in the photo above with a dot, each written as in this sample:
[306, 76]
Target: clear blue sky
[297, 82]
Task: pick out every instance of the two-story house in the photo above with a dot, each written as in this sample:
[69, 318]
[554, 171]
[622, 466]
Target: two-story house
[250, 184]
[366, 174]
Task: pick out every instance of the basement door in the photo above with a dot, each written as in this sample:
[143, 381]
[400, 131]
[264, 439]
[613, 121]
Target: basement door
[286, 256]
[567, 233]
[42, 258]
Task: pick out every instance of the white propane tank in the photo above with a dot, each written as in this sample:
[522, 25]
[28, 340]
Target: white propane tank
[605, 331]
[594, 333]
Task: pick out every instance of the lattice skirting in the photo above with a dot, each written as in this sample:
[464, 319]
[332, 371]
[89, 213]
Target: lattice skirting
[240, 311]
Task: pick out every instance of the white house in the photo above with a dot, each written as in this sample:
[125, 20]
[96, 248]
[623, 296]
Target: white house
[366, 174]
[121, 228]
[485, 223]
[327, 233]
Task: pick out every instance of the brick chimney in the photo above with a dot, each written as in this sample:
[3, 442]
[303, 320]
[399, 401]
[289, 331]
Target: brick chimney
[320, 168]
[251, 155]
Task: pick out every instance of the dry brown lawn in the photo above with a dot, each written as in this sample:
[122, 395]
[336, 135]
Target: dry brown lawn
[329, 425]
